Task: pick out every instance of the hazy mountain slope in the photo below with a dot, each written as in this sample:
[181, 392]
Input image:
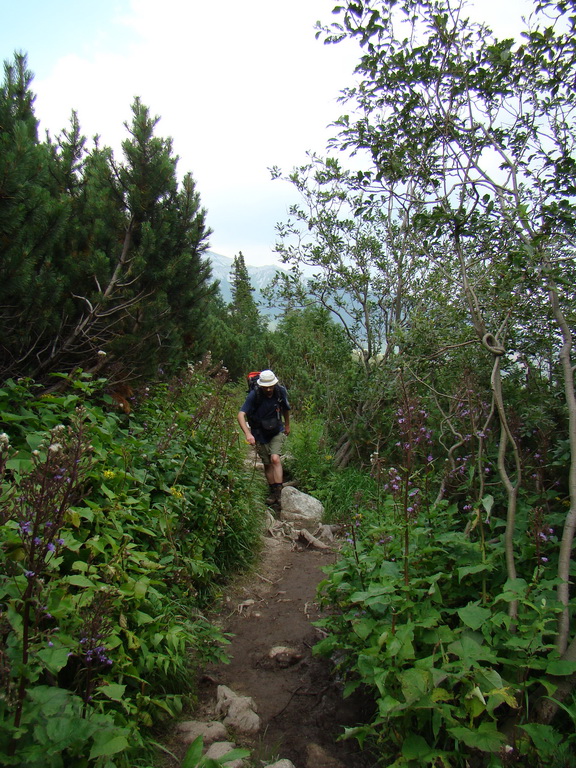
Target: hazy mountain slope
[260, 277]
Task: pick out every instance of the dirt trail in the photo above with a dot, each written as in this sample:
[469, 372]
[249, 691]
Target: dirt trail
[299, 704]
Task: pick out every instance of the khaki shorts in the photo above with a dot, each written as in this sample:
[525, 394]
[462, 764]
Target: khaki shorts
[265, 450]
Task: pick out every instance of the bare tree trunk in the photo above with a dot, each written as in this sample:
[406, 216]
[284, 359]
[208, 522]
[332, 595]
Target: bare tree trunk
[511, 488]
[80, 333]
[570, 524]
[491, 343]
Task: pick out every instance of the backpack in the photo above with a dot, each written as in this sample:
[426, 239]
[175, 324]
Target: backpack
[251, 379]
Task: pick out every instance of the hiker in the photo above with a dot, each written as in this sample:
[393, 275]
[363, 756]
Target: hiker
[260, 419]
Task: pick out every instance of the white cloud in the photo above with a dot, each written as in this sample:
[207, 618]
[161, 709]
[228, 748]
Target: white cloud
[239, 86]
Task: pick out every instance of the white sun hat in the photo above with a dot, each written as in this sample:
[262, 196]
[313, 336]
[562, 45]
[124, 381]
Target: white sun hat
[267, 379]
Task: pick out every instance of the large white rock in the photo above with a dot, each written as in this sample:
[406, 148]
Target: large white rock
[300, 509]
[240, 711]
[221, 748]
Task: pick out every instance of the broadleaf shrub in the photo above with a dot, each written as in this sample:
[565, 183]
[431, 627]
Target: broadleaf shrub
[115, 532]
[417, 615]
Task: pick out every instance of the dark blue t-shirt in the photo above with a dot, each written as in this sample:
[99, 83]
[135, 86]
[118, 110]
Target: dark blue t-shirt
[266, 411]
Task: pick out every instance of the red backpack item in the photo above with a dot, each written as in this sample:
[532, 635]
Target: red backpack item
[252, 379]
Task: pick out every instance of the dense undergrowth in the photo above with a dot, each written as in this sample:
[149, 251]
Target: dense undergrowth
[418, 613]
[115, 532]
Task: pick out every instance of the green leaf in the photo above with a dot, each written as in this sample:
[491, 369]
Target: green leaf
[363, 628]
[441, 694]
[114, 691]
[15, 552]
[79, 581]
[325, 647]
[415, 684]
[545, 738]
[471, 650]
[389, 570]
[53, 659]
[499, 695]
[51, 698]
[140, 588]
[473, 615]
[20, 464]
[490, 678]
[415, 747]
[513, 590]
[142, 618]
[388, 705]
[350, 687]
[360, 733]
[486, 737]
[471, 569]
[194, 753]
[66, 730]
[107, 492]
[15, 619]
[35, 439]
[105, 745]
[366, 665]
[559, 667]
[142, 529]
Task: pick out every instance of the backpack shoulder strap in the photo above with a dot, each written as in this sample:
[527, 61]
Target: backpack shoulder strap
[256, 399]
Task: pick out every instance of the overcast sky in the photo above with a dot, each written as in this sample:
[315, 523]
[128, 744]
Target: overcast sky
[240, 86]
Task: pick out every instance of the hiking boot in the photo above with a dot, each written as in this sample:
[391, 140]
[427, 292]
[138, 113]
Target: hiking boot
[277, 492]
[271, 498]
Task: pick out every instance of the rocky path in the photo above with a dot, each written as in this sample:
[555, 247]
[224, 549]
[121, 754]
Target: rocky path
[300, 712]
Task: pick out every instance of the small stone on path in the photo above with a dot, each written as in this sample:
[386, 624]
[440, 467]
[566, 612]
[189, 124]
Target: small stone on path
[284, 656]
[210, 731]
[317, 757]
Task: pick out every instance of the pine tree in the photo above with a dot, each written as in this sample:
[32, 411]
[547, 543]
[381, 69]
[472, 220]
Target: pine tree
[31, 221]
[96, 255]
[243, 307]
[166, 238]
[243, 326]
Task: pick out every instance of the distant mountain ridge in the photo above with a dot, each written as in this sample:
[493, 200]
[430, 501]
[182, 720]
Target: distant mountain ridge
[260, 278]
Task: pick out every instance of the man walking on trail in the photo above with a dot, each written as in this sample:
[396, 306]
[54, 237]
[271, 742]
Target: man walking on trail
[260, 419]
